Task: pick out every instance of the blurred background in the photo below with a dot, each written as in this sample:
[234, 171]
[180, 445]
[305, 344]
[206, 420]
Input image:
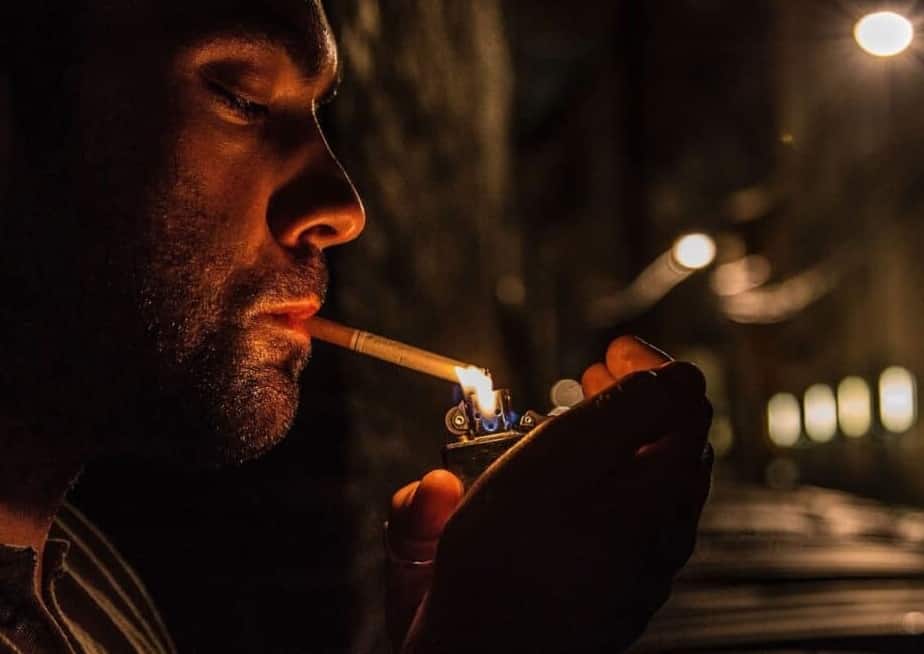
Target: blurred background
[740, 183]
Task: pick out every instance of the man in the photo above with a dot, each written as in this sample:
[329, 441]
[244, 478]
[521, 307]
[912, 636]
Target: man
[169, 198]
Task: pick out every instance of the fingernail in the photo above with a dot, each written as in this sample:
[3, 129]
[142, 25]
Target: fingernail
[655, 351]
[628, 354]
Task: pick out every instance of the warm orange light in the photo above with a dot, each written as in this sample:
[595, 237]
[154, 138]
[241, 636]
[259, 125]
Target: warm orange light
[478, 382]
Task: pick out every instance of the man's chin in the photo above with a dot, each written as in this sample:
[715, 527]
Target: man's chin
[237, 423]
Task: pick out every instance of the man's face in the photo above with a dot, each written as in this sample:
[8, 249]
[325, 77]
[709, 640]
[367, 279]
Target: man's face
[202, 194]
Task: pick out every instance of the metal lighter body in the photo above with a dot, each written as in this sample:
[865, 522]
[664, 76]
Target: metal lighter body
[477, 440]
[468, 459]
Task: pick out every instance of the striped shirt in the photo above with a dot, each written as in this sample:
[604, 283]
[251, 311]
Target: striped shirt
[92, 602]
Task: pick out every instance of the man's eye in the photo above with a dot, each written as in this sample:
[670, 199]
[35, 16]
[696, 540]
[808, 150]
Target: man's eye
[247, 109]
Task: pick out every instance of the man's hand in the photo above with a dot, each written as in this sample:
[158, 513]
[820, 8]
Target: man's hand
[569, 541]
[419, 512]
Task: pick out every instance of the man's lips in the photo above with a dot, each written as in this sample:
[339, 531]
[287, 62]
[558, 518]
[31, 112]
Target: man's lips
[291, 316]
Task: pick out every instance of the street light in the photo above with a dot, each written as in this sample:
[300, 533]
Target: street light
[854, 406]
[784, 419]
[897, 401]
[688, 254]
[884, 33]
[820, 413]
[694, 251]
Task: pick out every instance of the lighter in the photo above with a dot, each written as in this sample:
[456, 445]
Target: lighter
[481, 433]
[483, 425]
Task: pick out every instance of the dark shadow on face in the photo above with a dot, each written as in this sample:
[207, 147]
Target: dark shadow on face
[166, 232]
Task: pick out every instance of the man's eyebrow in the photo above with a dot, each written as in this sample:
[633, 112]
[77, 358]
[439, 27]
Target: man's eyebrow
[303, 36]
[314, 63]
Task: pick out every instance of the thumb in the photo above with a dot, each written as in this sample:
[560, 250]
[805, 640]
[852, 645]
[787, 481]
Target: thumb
[419, 511]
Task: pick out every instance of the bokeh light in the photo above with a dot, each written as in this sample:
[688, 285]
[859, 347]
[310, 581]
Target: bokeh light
[721, 436]
[854, 407]
[897, 399]
[784, 420]
[884, 33]
[820, 413]
[740, 275]
[694, 251]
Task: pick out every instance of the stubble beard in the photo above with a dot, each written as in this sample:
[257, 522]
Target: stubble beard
[221, 393]
[126, 333]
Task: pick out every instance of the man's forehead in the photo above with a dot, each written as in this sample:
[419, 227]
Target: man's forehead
[298, 26]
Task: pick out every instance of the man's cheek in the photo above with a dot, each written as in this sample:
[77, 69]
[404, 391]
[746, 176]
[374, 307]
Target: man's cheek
[232, 175]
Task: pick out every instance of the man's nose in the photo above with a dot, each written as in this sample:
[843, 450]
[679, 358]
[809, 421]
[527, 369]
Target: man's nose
[317, 206]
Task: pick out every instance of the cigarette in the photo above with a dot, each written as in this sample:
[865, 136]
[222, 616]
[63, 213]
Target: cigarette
[386, 349]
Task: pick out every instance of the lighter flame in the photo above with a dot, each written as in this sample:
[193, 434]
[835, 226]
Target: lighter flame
[478, 382]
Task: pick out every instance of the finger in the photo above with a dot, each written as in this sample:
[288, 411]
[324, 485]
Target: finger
[639, 409]
[688, 442]
[687, 387]
[436, 498]
[402, 497]
[685, 377]
[595, 379]
[419, 512]
[628, 354]
[605, 431]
